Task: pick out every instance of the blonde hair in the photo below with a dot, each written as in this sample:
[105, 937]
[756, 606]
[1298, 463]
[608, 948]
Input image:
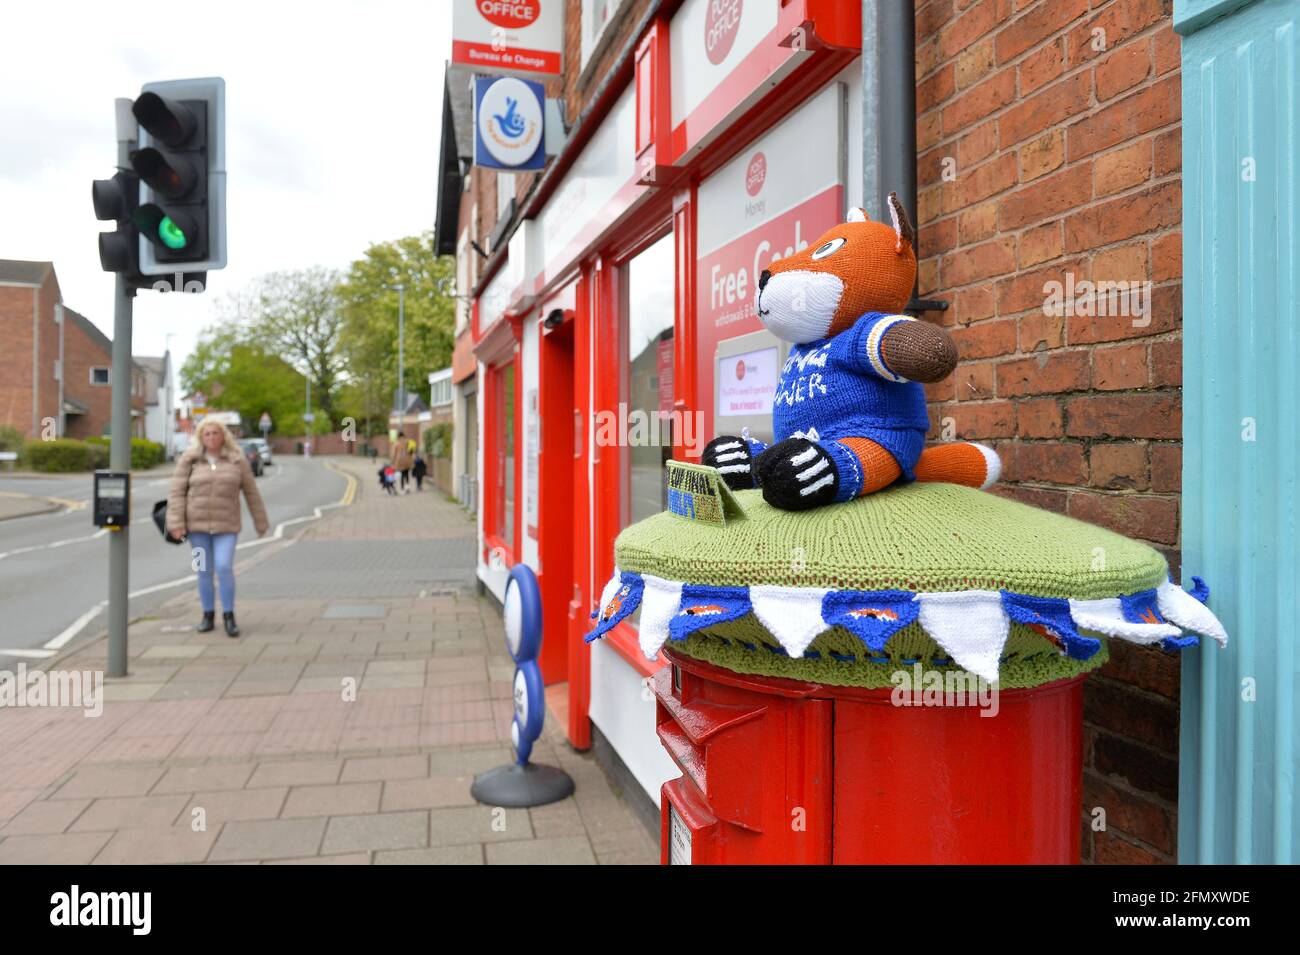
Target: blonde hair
[227, 439]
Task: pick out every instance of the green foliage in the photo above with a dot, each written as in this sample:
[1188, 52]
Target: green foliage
[232, 365]
[342, 332]
[11, 439]
[437, 441]
[369, 335]
[65, 455]
[144, 454]
[297, 315]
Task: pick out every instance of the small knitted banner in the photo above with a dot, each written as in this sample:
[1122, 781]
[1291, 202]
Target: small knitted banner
[944, 575]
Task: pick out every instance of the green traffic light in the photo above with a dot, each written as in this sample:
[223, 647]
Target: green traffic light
[171, 234]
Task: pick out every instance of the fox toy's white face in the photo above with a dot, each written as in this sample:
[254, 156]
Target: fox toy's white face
[798, 306]
[857, 267]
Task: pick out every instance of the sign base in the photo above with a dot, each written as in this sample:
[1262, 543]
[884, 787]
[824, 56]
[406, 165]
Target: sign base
[518, 787]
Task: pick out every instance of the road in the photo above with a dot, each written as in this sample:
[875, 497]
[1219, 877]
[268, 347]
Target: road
[54, 567]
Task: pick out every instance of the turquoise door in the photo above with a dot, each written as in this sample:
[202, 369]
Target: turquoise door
[1241, 425]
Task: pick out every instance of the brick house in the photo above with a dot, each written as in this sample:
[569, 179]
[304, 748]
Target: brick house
[29, 331]
[1049, 146]
[56, 366]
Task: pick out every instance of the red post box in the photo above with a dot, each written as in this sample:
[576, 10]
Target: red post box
[782, 771]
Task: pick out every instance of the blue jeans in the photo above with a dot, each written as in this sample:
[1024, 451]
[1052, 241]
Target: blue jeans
[209, 553]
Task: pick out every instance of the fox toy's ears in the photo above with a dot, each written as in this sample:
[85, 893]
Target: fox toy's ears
[857, 215]
[901, 224]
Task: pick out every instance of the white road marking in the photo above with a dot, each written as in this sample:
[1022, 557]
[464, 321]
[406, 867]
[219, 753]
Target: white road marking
[76, 626]
[34, 654]
[63, 543]
[80, 623]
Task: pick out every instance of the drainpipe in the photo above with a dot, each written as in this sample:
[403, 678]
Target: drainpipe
[889, 114]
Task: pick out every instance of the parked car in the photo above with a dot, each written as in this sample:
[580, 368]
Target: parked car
[254, 457]
[263, 448]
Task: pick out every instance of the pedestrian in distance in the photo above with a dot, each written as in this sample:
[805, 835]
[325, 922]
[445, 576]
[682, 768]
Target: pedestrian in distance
[418, 470]
[401, 459]
[203, 505]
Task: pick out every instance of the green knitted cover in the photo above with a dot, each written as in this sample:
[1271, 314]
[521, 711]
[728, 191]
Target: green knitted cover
[918, 537]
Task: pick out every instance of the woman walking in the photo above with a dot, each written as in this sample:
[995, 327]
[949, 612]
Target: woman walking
[402, 459]
[204, 505]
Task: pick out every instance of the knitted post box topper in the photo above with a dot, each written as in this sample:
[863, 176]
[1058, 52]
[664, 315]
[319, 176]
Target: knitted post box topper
[849, 412]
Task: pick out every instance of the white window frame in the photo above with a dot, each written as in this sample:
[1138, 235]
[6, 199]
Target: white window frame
[593, 32]
[108, 375]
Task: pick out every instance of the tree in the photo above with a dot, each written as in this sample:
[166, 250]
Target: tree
[297, 315]
[232, 367]
[370, 327]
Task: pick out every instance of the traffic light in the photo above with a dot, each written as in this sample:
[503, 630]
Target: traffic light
[116, 200]
[180, 161]
[170, 203]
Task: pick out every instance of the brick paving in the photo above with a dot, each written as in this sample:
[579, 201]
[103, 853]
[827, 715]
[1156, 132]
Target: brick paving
[334, 731]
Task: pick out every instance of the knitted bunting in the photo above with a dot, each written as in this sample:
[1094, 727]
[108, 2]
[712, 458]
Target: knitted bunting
[1107, 616]
[702, 606]
[662, 598]
[1186, 611]
[972, 626]
[792, 614]
[871, 616]
[1050, 617]
[619, 598]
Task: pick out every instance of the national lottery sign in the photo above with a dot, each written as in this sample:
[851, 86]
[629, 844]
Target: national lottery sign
[508, 36]
[508, 123]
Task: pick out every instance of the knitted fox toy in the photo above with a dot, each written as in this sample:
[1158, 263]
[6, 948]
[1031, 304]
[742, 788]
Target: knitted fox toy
[849, 412]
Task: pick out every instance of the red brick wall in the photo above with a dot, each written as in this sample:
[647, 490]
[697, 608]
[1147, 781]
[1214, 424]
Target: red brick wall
[1065, 158]
[48, 394]
[16, 357]
[80, 353]
[16, 333]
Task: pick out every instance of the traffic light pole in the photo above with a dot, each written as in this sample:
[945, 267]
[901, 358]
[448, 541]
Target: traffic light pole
[119, 452]
[119, 459]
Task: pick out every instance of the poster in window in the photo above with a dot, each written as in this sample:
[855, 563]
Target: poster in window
[531, 446]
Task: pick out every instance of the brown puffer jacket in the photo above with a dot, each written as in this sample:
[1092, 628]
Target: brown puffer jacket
[205, 498]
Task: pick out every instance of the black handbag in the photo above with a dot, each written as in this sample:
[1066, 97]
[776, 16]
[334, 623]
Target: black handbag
[160, 518]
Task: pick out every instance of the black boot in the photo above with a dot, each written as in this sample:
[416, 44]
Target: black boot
[206, 623]
[229, 618]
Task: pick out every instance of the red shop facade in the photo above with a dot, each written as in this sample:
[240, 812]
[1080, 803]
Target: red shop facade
[617, 329]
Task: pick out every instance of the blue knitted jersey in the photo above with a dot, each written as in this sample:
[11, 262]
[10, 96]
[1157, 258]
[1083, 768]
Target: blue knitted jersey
[831, 385]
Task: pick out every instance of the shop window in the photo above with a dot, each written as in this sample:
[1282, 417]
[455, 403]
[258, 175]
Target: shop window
[506, 454]
[648, 378]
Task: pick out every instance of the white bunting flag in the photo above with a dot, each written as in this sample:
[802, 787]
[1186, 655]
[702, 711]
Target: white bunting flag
[659, 604]
[1107, 616]
[1189, 613]
[970, 625]
[792, 614]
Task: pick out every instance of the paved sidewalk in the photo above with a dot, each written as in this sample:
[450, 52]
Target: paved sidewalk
[338, 729]
[13, 504]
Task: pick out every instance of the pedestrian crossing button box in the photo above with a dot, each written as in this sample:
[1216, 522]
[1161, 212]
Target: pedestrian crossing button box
[112, 500]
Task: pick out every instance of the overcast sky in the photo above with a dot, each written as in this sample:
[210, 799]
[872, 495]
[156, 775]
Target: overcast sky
[333, 111]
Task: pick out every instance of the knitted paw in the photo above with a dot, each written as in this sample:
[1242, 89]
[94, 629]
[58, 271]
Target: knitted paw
[797, 474]
[733, 460]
